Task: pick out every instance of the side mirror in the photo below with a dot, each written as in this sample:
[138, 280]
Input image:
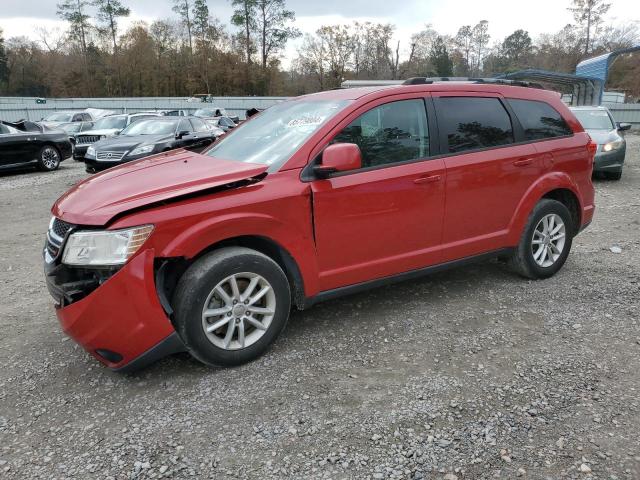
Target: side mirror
[181, 134]
[623, 126]
[339, 157]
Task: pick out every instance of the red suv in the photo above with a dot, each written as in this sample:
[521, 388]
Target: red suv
[316, 197]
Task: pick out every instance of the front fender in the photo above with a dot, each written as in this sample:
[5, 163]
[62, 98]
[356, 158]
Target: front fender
[542, 186]
[200, 236]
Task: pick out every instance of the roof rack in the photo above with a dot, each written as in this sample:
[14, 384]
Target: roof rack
[495, 81]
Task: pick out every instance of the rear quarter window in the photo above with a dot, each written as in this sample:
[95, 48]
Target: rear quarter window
[470, 123]
[539, 120]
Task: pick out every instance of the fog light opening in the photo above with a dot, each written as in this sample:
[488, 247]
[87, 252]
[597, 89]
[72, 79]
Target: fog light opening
[109, 356]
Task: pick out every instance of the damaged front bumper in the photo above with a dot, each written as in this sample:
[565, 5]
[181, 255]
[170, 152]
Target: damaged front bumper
[114, 314]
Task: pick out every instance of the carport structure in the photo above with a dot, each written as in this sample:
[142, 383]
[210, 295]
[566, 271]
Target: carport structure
[598, 67]
[584, 90]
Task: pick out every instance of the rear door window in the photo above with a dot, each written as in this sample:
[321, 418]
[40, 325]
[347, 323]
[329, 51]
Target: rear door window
[539, 119]
[185, 126]
[199, 125]
[469, 123]
[390, 133]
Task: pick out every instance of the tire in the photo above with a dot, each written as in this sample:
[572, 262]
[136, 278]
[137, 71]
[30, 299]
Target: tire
[49, 158]
[201, 289]
[613, 175]
[526, 259]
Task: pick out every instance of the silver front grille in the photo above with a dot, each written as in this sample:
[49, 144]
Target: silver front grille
[113, 156]
[87, 139]
[58, 230]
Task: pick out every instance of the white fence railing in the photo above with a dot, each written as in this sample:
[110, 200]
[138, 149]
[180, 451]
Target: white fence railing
[17, 108]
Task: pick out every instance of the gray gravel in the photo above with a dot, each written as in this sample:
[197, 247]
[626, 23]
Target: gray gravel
[472, 373]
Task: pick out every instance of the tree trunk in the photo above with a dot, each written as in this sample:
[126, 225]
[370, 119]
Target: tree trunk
[586, 46]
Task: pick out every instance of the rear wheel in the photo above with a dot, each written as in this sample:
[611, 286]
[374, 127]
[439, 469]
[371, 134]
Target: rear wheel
[230, 305]
[48, 158]
[545, 242]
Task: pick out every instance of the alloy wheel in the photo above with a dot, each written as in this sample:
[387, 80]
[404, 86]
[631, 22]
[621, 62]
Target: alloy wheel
[50, 158]
[238, 311]
[548, 240]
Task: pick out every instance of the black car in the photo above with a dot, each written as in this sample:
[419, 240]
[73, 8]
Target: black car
[26, 143]
[148, 137]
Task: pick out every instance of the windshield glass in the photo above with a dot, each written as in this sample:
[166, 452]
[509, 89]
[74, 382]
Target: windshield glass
[108, 123]
[71, 127]
[594, 119]
[272, 137]
[204, 112]
[151, 127]
[59, 117]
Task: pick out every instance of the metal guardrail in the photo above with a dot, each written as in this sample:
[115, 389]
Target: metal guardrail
[17, 108]
[625, 112]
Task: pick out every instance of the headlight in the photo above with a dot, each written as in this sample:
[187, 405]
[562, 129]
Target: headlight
[104, 247]
[91, 152]
[102, 137]
[141, 150]
[607, 147]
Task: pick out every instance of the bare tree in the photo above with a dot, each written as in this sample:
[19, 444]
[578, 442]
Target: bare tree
[183, 9]
[589, 14]
[480, 38]
[464, 41]
[74, 12]
[273, 28]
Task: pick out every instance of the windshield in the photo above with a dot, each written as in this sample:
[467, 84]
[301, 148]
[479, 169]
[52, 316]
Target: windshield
[151, 127]
[594, 119]
[272, 137]
[108, 123]
[204, 112]
[59, 117]
[71, 127]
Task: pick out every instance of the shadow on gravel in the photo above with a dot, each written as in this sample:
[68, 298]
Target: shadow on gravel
[352, 313]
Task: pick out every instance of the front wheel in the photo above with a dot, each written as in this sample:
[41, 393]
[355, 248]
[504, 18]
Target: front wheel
[545, 242]
[231, 305]
[48, 158]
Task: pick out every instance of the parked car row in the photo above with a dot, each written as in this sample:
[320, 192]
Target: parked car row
[106, 141]
[147, 137]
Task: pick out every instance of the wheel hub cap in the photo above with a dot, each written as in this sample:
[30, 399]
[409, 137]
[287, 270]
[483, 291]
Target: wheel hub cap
[548, 240]
[238, 311]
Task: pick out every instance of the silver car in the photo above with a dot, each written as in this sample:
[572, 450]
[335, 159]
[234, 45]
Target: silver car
[603, 129]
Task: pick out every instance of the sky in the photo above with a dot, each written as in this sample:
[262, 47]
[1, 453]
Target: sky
[23, 17]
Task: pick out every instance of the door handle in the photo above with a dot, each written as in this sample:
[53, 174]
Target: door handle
[429, 179]
[523, 162]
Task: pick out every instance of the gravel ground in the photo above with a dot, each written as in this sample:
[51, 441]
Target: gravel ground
[472, 373]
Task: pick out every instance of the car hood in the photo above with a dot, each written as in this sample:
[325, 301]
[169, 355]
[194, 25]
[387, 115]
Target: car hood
[123, 143]
[108, 132]
[603, 136]
[154, 179]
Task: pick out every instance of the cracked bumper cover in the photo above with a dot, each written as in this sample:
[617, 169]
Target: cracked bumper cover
[123, 315]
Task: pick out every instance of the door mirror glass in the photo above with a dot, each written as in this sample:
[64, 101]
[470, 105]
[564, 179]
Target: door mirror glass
[624, 126]
[339, 157]
[182, 133]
